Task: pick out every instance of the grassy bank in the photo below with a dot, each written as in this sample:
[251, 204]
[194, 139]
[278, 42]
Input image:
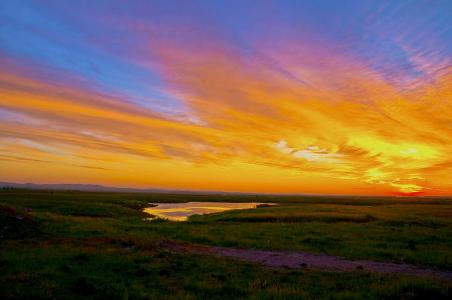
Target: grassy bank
[78, 245]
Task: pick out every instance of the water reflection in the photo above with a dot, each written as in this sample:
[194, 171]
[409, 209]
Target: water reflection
[181, 211]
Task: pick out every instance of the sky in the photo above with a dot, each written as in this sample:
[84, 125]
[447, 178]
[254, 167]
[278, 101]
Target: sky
[324, 97]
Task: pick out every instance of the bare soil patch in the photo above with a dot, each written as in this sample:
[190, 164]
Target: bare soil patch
[299, 259]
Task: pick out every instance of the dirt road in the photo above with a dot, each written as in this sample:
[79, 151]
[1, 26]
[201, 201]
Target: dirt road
[286, 259]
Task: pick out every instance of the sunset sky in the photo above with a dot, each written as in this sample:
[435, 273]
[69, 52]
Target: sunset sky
[328, 97]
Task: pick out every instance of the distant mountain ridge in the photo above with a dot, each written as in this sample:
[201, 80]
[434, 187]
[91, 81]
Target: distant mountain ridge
[102, 188]
[84, 187]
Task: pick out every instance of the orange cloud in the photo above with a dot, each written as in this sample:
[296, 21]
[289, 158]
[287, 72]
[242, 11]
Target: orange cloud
[307, 122]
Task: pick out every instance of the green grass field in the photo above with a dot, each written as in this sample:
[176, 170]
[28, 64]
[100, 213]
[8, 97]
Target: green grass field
[72, 245]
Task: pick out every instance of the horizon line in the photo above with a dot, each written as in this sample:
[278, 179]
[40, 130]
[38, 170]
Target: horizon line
[108, 188]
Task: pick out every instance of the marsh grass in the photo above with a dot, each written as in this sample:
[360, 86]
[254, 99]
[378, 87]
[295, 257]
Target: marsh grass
[74, 245]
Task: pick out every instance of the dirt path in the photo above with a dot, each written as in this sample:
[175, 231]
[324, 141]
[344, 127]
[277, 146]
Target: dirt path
[286, 259]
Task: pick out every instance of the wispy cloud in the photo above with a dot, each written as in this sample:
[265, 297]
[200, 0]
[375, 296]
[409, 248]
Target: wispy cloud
[271, 115]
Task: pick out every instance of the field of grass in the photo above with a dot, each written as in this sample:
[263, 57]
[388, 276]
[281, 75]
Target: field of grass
[71, 245]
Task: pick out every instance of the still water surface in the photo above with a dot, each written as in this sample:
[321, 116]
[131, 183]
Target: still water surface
[181, 211]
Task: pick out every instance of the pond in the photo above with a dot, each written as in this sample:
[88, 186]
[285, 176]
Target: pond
[181, 211]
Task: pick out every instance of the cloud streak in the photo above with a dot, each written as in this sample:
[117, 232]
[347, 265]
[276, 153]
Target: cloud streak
[268, 115]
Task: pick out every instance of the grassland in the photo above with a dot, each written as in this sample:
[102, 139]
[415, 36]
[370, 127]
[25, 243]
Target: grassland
[71, 245]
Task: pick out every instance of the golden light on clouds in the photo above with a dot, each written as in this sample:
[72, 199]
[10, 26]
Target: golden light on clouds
[285, 117]
[256, 132]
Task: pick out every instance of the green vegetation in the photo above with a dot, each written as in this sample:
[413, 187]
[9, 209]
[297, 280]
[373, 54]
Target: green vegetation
[70, 245]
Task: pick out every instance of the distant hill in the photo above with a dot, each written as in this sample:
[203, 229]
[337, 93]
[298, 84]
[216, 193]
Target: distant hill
[80, 187]
[102, 188]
